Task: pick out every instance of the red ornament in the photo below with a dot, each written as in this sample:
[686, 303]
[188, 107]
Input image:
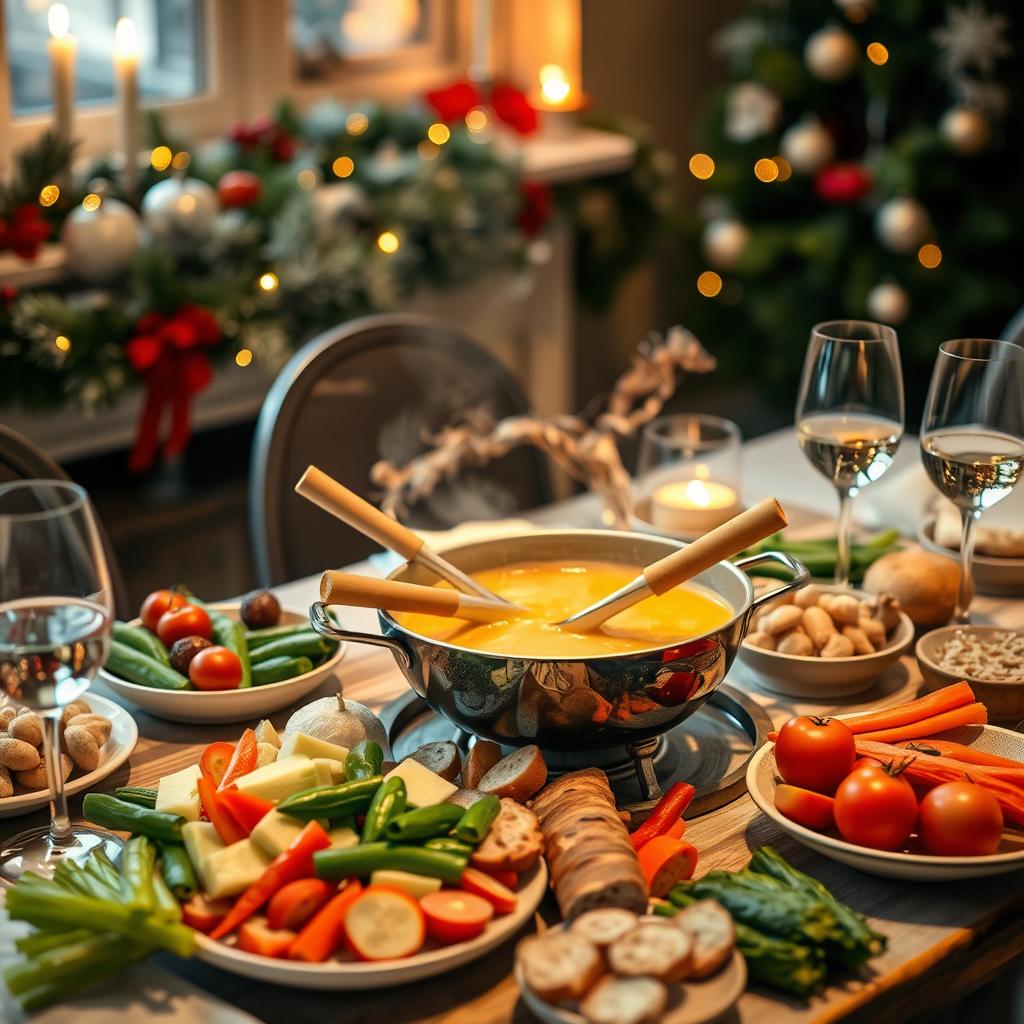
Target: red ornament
[508, 103]
[536, 208]
[24, 231]
[239, 188]
[512, 106]
[264, 133]
[165, 352]
[456, 101]
[843, 183]
[8, 293]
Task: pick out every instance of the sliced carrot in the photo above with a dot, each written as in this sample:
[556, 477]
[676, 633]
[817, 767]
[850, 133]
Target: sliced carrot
[243, 760]
[928, 706]
[325, 931]
[962, 752]
[292, 906]
[965, 714]
[677, 830]
[256, 937]
[665, 861]
[500, 896]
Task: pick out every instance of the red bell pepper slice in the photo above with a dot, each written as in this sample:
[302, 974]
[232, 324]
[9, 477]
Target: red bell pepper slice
[255, 936]
[248, 810]
[294, 862]
[215, 760]
[227, 828]
[202, 913]
[243, 760]
[666, 813]
[324, 932]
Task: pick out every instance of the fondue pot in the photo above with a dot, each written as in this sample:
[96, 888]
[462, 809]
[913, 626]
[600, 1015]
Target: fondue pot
[577, 703]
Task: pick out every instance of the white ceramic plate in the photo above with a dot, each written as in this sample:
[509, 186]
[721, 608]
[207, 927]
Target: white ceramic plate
[918, 867]
[823, 678]
[213, 706]
[124, 734]
[353, 974]
[692, 1002]
[1002, 577]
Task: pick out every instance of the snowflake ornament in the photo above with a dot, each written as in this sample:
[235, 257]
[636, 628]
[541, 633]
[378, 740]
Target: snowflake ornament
[972, 38]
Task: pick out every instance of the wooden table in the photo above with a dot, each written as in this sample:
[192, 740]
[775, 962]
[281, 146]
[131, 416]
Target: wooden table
[944, 939]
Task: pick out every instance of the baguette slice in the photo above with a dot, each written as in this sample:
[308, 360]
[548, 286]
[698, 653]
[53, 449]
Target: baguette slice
[442, 758]
[518, 776]
[513, 843]
[625, 1001]
[652, 950]
[465, 797]
[604, 925]
[482, 757]
[713, 933]
[559, 966]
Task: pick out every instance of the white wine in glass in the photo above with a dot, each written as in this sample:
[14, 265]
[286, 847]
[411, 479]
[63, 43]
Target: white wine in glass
[972, 435]
[849, 414]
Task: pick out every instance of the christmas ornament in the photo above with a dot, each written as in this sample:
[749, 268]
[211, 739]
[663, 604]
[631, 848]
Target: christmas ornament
[455, 101]
[856, 10]
[180, 211]
[831, 54]
[339, 205]
[724, 241]
[807, 145]
[843, 183]
[972, 39]
[239, 188]
[751, 110]
[965, 129]
[538, 203]
[267, 134]
[99, 244]
[902, 224]
[888, 303]
[24, 230]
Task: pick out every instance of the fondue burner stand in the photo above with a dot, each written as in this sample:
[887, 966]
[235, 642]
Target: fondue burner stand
[710, 750]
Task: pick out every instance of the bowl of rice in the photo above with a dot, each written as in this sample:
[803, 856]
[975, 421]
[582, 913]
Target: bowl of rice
[990, 658]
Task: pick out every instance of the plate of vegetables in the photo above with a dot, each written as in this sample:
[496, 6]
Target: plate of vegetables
[924, 790]
[189, 661]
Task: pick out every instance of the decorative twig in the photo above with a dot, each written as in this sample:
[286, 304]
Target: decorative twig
[587, 450]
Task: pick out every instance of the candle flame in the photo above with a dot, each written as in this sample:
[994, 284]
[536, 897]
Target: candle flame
[126, 39]
[58, 20]
[554, 86]
[697, 493]
[701, 471]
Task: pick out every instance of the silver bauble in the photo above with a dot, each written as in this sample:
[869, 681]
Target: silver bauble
[751, 110]
[339, 205]
[902, 224]
[180, 211]
[99, 244]
[807, 145]
[831, 54]
[965, 129]
[724, 242]
[888, 303]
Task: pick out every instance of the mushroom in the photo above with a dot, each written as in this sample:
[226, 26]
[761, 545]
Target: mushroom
[18, 755]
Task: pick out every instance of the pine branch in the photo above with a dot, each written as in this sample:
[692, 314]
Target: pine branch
[35, 166]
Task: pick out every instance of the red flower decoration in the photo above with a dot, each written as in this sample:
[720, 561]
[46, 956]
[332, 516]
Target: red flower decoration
[536, 208]
[843, 183]
[24, 231]
[512, 106]
[456, 101]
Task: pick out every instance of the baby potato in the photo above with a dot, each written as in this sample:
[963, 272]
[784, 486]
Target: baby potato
[779, 620]
[859, 639]
[760, 639]
[795, 642]
[873, 630]
[818, 625]
[807, 596]
[838, 646]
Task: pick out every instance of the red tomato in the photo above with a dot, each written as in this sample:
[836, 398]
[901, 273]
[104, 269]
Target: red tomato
[815, 753]
[239, 188]
[876, 809]
[292, 906]
[960, 819]
[215, 760]
[156, 604]
[454, 916]
[805, 807]
[215, 668]
[180, 622]
[499, 895]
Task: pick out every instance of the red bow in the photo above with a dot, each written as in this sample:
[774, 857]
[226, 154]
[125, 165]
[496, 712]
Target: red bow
[24, 231]
[509, 104]
[164, 352]
[264, 132]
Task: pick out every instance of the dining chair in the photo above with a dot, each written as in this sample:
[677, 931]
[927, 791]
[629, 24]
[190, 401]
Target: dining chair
[375, 388]
[21, 459]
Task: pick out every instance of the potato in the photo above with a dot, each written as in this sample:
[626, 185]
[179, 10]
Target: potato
[781, 620]
[859, 639]
[818, 625]
[839, 646]
[808, 596]
[795, 642]
[761, 639]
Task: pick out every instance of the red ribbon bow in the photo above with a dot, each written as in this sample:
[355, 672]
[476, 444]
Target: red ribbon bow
[509, 104]
[24, 231]
[164, 351]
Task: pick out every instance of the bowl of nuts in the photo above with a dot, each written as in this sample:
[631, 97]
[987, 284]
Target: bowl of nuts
[825, 641]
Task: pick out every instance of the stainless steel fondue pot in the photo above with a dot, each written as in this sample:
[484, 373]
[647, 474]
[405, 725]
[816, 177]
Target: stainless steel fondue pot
[580, 703]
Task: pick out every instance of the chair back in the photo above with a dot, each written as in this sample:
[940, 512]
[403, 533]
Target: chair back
[376, 388]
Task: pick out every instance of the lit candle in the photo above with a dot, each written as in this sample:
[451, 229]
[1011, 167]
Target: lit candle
[555, 88]
[62, 47]
[126, 71]
[481, 60]
[692, 506]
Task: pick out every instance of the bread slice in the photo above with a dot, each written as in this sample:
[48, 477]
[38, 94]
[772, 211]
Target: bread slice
[518, 776]
[602, 927]
[465, 797]
[559, 966]
[652, 950]
[713, 933]
[482, 757]
[514, 841]
[625, 1001]
[442, 758]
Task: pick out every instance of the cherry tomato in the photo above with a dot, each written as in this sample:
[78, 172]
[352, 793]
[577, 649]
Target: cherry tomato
[294, 904]
[876, 809]
[215, 760]
[805, 807]
[178, 623]
[961, 819]
[157, 603]
[215, 668]
[239, 188]
[815, 753]
[454, 916]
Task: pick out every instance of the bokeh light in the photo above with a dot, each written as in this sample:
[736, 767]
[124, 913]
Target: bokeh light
[702, 166]
[387, 241]
[766, 169]
[48, 195]
[929, 256]
[709, 284]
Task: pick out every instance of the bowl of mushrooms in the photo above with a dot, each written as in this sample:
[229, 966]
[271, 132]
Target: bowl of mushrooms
[825, 641]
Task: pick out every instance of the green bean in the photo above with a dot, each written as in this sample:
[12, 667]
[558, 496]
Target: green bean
[447, 844]
[336, 801]
[177, 870]
[308, 644]
[422, 823]
[361, 861]
[108, 811]
[475, 823]
[387, 803]
[141, 795]
[142, 640]
[258, 637]
[137, 863]
[276, 670]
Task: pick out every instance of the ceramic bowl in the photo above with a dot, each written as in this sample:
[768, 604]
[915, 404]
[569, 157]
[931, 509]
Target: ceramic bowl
[824, 678]
[1004, 700]
[1000, 577]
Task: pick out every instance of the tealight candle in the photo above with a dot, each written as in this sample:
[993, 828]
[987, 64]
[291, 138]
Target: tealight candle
[693, 506]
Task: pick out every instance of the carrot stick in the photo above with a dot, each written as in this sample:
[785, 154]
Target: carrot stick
[928, 706]
[323, 933]
[966, 714]
[964, 753]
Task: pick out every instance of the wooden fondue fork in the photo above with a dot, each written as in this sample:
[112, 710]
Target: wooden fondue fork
[722, 542]
[368, 592]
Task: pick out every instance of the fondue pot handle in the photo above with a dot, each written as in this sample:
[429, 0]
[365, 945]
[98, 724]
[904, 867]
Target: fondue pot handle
[325, 626]
[801, 575]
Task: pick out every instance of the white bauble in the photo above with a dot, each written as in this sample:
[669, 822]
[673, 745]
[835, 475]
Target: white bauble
[965, 129]
[751, 110]
[888, 303]
[180, 211]
[724, 242]
[902, 224]
[99, 244]
[807, 145]
[831, 54]
[339, 205]
[856, 10]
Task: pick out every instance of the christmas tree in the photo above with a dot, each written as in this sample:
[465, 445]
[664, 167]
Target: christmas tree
[861, 161]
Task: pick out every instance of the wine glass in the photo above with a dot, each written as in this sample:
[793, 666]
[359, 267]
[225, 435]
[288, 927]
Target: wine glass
[972, 435]
[849, 414]
[56, 608]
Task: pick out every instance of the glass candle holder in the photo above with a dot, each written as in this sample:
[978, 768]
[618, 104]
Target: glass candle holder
[688, 473]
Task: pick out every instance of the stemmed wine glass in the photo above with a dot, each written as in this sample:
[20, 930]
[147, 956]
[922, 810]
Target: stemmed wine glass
[56, 609]
[849, 414]
[972, 435]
